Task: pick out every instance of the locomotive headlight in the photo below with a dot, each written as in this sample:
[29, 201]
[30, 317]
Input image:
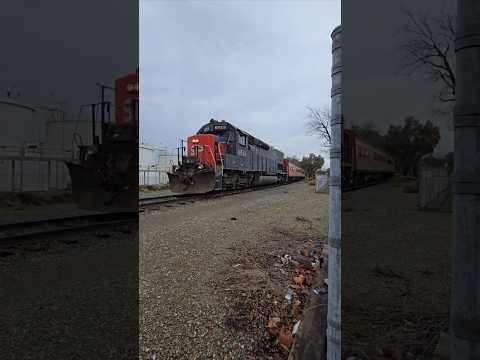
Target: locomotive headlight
[132, 87]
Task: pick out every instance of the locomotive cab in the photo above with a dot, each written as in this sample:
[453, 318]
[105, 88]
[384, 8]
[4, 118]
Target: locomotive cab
[203, 149]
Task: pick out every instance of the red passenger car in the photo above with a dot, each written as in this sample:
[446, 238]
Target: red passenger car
[363, 162]
[293, 172]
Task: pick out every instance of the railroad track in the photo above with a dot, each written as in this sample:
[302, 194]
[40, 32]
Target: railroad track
[40, 228]
[168, 199]
[156, 200]
[358, 187]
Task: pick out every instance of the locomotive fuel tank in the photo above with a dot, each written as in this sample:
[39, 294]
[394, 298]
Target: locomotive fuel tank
[267, 180]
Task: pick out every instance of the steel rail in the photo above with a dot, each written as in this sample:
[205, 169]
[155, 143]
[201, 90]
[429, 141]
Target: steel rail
[168, 199]
[37, 228]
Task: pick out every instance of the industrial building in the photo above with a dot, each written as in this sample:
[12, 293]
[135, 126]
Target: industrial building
[154, 162]
[34, 144]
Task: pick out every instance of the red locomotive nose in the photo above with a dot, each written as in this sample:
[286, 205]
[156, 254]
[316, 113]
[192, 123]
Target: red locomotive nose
[204, 148]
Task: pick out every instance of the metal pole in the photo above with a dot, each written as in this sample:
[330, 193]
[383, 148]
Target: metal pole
[49, 175]
[334, 227]
[13, 175]
[465, 297]
[21, 175]
[103, 109]
[182, 147]
[93, 124]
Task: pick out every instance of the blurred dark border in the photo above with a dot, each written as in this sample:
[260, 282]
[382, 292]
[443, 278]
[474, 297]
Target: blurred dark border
[397, 167]
[70, 295]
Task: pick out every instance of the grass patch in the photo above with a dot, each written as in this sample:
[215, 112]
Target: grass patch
[147, 188]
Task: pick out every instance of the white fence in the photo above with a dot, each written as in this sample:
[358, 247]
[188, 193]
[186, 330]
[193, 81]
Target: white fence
[435, 189]
[156, 173]
[33, 169]
[321, 183]
[152, 177]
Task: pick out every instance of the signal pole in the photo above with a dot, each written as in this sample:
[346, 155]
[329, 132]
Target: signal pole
[335, 225]
[465, 297]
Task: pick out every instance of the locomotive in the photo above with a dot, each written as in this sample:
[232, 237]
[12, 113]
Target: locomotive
[104, 176]
[363, 163]
[223, 157]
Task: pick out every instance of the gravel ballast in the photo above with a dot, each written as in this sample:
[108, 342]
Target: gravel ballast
[214, 273]
[70, 296]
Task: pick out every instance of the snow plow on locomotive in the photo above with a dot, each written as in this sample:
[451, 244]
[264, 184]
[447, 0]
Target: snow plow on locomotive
[222, 157]
[363, 163]
[104, 175]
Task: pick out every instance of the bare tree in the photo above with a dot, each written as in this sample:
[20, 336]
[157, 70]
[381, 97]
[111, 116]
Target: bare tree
[319, 124]
[429, 46]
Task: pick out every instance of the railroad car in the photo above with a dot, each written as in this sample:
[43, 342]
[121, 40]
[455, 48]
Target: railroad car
[362, 162]
[222, 157]
[104, 175]
[293, 172]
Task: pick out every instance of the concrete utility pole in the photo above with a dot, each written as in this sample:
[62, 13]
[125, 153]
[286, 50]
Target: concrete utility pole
[335, 224]
[465, 301]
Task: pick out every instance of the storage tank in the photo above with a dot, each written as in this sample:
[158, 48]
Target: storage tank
[62, 140]
[22, 135]
[19, 123]
[34, 142]
[149, 173]
[64, 135]
[154, 163]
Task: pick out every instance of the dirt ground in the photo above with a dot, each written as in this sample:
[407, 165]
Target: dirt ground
[228, 277]
[395, 274]
[33, 198]
[38, 206]
[70, 296]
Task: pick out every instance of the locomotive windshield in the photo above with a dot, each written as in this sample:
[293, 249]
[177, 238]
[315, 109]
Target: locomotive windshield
[226, 133]
[212, 129]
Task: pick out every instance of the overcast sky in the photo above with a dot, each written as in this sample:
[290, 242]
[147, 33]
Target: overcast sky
[50, 54]
[257, 64]
[374, 90]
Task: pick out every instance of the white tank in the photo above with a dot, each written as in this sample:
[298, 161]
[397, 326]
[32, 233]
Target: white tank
[22, 135]
[19, 123]
[154, 162]
[63, 135]
[34, 132]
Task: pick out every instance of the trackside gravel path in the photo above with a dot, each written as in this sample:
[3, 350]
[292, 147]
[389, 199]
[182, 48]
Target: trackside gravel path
[208, 268]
